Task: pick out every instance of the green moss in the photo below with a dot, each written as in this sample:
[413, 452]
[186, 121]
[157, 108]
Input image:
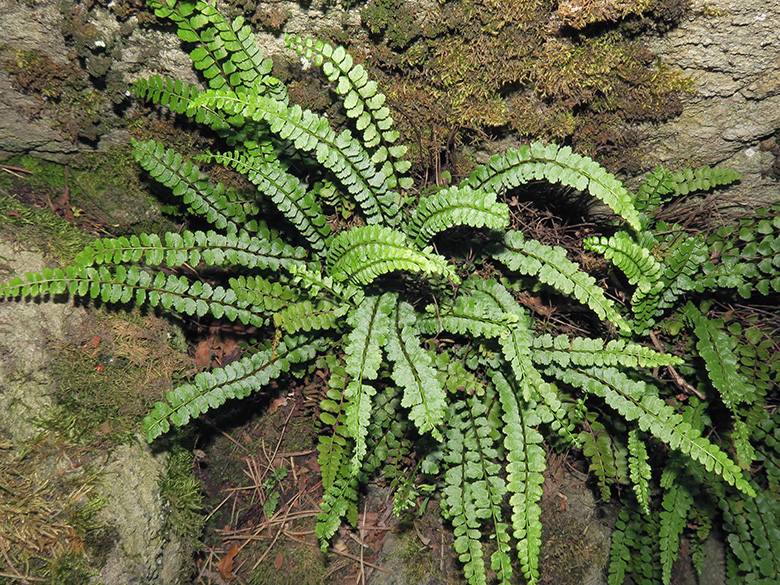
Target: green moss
[183, 495]
[23, 224]
[104, 189]
[49, 508]
[539, 69]
[111, 373]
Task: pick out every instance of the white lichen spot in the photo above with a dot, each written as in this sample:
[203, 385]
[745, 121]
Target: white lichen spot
[100, 43]
[305, 63]
[760, 17]
[750, 152]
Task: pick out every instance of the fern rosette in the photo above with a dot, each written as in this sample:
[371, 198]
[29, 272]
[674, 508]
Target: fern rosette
[415, 346]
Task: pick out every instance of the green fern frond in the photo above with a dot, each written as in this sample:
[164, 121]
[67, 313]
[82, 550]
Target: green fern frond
[635, 261]
[179, 97]
[653, 192]
[589, 351]
[474, 489]
[676, 503]
[455, 206]
[525, 468]
[340, 153]
[228, 54]
[753, 525]
[413, 371]
[317, 284]
[290, 195]
[607, 457]
[555, 164]
[703, 179]
[185, 181]
[332, 447]
[308, 316]
[370, 324]
[635, 401]
[130, 284]
[191, 248]
[715, 347]
[639, 469]
[361, 254]
[259, 292]
[362, 102]
[338, 502]
[551, 266]
[236, 380]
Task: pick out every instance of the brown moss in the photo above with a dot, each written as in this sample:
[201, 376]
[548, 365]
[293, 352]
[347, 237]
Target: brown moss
[519, 65]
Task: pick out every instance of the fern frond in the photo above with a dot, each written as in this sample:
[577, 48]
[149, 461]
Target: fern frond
[753, 525]
[526, 464]
[316, 284]
[474, 489]
[236, 380]
[180, 98]
[361, 254]
[370, 324]
[715, 347]
[455, 206]
[653, 192]
[639, 469]
[703, 179]
[308, 316]
[185, 181]
[257, 291]
[607, 457]
[619, 552]
[362, 102]
[635, 261]
[191, 248]
[338, 502]
[126, 284]
[340, 153]
[551, 266]
[635, 401]
[676, 503]
[332, 447]
[555, 164]
[589, 351]
[290, 195]
[413, 371]
[228, 54]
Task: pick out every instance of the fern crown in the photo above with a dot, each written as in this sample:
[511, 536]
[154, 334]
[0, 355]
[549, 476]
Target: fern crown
[329, 262]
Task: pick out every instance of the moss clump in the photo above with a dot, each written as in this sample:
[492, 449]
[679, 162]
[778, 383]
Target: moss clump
[49, 529]
[183, 495]
[111, 373]
[524, 66]
[65, 93]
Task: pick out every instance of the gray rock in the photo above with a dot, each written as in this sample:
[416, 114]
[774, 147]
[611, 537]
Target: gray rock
[732, 50]
[145, 550]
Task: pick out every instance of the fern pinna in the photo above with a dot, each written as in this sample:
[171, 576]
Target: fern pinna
[401, 327]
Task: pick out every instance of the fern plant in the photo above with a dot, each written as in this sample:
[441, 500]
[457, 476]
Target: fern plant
[678, 277]
[415, 345]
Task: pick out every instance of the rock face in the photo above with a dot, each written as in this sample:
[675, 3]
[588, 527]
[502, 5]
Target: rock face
[732, 50]
[143, 549]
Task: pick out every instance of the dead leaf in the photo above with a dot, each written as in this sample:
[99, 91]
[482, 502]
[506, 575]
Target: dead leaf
[225, 564]
[104, 428]
[203, 354]
[276, 404]
[279, 560]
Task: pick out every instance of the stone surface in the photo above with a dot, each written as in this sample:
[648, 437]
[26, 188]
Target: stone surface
[144, 550]
[732, 50]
